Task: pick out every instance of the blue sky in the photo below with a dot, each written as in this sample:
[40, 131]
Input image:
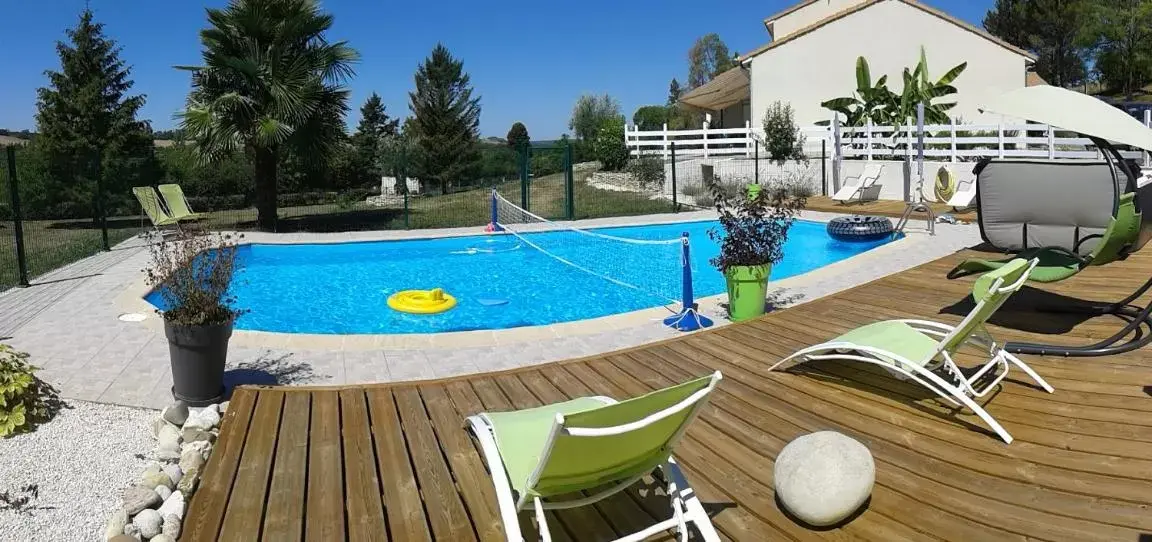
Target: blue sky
[529, 61]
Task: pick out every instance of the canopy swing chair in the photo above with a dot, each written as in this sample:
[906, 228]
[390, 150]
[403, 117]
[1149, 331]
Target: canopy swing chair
[1068, 214]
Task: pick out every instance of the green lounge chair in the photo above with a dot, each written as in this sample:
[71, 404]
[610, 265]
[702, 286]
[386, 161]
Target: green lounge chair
[1058, 263]
[537, 454]
[919, 350]
[150, 202]
[178, 204]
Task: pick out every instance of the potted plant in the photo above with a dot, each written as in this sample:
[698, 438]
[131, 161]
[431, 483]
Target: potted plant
[192, 272]
[752, 234]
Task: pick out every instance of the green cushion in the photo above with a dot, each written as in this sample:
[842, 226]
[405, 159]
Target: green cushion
[522, 434]
[895, 337]
[577, 463]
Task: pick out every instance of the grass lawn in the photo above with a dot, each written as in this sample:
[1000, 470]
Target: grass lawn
[50, 244]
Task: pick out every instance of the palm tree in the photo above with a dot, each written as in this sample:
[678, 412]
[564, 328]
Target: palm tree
[270, 83]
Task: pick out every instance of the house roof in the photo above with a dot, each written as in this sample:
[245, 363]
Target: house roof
[860, 7]
[726, 89]
[1033, 79]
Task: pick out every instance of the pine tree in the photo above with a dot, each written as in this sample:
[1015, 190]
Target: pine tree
[674, 92]
[518, 136]
[88, 131]
[446, 120]
[375, 125]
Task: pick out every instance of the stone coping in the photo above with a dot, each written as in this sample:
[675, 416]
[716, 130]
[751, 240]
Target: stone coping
[131, 300]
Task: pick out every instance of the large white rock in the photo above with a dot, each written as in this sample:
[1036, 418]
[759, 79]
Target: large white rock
[149, 523]
[173, 505]
[205, 418]
[824, 477]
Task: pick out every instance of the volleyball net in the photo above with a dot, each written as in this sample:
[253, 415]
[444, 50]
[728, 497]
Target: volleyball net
[658, 268]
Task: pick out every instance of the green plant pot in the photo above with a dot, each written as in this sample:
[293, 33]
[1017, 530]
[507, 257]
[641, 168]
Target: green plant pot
[747, 291]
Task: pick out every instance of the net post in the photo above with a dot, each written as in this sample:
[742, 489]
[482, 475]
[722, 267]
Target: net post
[689, 318]
[494, 224]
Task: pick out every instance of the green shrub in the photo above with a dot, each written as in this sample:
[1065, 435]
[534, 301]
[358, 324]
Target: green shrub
[647, 170]
[608, 147]
[25, 400]
[782, 137]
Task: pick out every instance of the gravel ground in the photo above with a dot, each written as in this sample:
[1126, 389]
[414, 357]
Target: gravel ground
[81, 460]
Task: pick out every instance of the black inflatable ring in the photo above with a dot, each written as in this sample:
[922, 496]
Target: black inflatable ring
[860, 228]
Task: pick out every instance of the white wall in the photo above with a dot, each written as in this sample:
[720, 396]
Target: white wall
[808, 15]
[822, 65]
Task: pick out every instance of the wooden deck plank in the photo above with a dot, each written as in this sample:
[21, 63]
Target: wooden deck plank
[206, 510]
[245, 513]
[284, 518]
[1078, 468]
[401, 495]
[447, 515]
[583, 523]
[472, 480]
[362, 505]
[324, 519]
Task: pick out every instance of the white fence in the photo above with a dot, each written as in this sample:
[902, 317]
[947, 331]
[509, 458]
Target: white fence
[948, 142]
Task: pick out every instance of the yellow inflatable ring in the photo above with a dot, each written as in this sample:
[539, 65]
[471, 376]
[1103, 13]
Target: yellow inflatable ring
[421, 301]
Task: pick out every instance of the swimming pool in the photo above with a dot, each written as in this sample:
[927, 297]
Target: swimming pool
[499, 281]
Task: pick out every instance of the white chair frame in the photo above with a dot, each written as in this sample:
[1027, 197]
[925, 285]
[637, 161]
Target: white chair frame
[960, 393]
[686, 507]
[866, 180]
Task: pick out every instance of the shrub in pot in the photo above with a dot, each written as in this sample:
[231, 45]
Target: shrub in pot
[193, 272]
[752, 234]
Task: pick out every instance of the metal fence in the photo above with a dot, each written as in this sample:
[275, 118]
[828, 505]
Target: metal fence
[37, 238]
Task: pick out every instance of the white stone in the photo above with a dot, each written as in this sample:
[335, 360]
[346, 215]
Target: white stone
[158, 424]
[163, 538]
[168, 439]
[163, 492]
[116, 524]
[171, 526]
[191, 458]
[223, 407]
[132, 530]
[173, 505]
[824, 477]
[203, 418]
[148, 522]
[173, 472]
[137, 498]
[202, 447]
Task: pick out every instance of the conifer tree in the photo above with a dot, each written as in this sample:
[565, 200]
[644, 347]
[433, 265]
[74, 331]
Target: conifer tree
[445, 120]
[88, 131]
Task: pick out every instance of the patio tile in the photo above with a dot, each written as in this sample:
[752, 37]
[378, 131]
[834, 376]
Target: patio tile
[408, 365]
[446, 363]
[365, 366]
[85, 389]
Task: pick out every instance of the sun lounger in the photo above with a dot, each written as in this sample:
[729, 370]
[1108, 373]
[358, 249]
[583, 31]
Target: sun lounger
[150, 202]
[861, 187]
[923, 351]
[178, 204]
[538, 454]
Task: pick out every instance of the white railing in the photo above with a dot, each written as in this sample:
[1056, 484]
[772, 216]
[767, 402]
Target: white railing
[952, 142]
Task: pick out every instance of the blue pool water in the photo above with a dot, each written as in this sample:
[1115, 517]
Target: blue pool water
[343, 288]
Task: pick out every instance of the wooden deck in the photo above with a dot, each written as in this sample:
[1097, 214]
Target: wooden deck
[892, 208]
[394, 462]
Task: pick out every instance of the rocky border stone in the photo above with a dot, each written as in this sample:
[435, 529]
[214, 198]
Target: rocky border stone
[153, 509]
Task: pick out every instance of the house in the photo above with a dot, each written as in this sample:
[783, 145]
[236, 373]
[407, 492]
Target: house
[813, 52]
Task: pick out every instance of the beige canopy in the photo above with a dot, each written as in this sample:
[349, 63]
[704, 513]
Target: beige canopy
[727, 89]
[1072, 111]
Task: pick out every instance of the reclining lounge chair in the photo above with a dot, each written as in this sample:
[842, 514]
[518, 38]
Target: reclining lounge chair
[538, 454]
[923, 351]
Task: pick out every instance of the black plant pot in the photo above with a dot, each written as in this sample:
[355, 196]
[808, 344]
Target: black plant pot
[198, 356]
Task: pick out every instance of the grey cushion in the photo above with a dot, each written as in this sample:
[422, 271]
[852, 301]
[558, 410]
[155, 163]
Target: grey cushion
[1035, 203]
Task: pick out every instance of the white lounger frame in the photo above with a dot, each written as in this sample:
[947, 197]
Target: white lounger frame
[960, 393]
[686, 507]
[865, 188]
